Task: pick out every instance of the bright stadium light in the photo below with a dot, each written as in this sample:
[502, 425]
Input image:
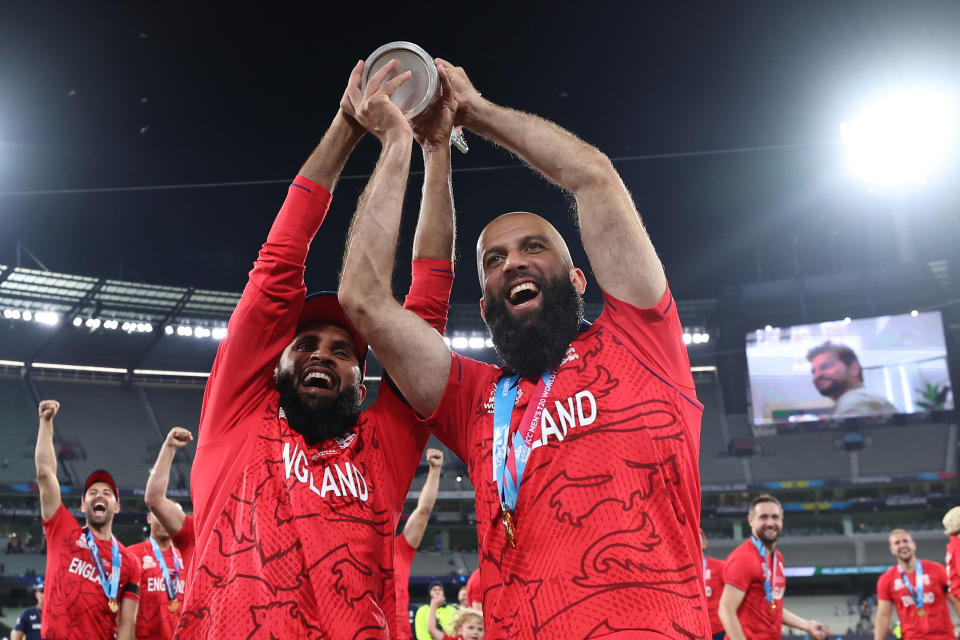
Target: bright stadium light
[27, 315]
[49, 318]
[168, 330]
[488, 343]
[77, 321]
[219, 333]
[899, 141]
[476, 343]
[459, 343]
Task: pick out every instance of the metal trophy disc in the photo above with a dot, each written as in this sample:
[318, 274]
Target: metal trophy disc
[414, 96]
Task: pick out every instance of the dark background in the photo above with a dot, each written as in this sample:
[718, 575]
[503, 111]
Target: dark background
[96, 95]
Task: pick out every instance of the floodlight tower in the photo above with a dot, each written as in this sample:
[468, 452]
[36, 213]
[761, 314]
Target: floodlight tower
[896, 145]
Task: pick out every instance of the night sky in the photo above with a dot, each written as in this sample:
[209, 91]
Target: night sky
[96, 95]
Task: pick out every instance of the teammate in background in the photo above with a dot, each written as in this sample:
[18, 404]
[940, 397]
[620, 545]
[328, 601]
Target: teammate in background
[406, 544]
[837, 374]
[28, 624]
[475, 591]
[169, 514]
[751, 606]
[918, 590]
[951, 528]
[94, 581]
[602, 534]
[462, 601]
[296, 492]
[713, 582]
[443, 614]
[161, 583]
[467, 625]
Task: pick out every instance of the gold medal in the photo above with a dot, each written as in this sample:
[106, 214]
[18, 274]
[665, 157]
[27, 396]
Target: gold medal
[773, 608]
[921, 612]
[510, 529]
[113, 605]
[173, 605]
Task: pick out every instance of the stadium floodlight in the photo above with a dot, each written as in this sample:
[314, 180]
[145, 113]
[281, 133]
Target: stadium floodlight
[687, 338]
[219, 333]
[77, 321]
[201, 332]
[488, 343]
[459, 342]
[168, 330]
[899, 141]
[914, 313]
[184, 330]
[49, 318]
[476, 343]
[27, 316]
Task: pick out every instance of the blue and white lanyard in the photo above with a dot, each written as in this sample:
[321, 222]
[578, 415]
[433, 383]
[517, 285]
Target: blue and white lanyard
[915, 592]
[170, 585]
[112, 585]
[504, 401]
[768, 571]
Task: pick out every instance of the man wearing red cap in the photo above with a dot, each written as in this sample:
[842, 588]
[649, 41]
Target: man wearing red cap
[92, 580]
[296, 493]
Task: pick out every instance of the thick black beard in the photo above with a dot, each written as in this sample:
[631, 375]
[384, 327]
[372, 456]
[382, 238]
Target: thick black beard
[317, 425]
[530, 347]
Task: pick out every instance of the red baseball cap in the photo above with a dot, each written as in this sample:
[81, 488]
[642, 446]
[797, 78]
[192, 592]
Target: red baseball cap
[101, 475]
[324, 306]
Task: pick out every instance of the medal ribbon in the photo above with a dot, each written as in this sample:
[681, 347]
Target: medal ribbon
[510, 462]
[769, 572]
[915, 592]
[171, 585]
[111, 586]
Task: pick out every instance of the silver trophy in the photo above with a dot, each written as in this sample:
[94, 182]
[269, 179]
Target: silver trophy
[414, 96]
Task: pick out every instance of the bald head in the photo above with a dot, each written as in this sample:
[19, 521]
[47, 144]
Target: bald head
[507, 232]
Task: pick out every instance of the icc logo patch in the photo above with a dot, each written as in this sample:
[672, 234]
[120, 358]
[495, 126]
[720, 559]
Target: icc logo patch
[82, 541]
[149, 562]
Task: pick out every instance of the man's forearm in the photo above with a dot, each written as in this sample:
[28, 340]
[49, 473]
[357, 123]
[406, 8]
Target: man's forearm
[428, 495]
[793, 620]
[44, 455]
[731, 624]
[159, 478]
[435, 226]
[372, 242]
[559, 155]
[328, 159]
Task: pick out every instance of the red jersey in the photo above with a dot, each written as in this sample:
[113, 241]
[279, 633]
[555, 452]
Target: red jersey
[75, 606]
[403, 553]
[474, 588]
[608, 512]
[936, 623]
[713, 580]
[744, 570]
[953, 565]
[155, 620]
[293, 540]
[185, 541]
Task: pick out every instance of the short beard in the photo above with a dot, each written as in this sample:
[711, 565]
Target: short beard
[320, 424]
[836, 389]
[530, 347]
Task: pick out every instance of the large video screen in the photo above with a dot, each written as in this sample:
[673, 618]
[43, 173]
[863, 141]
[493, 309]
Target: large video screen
[849, 368]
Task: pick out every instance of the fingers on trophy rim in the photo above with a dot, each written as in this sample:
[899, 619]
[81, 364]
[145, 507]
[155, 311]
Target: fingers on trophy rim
[394, 83]
[373, 84]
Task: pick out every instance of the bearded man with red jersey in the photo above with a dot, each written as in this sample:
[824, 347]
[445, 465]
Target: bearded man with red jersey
[751, 607]
[918, 590]
[92, 581]
[296, 492]
[583, 448]
[169, 514]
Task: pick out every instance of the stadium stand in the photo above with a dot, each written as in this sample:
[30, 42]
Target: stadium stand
[18, 419]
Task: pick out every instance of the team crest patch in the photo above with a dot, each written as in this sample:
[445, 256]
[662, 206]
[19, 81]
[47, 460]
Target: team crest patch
[149, 562]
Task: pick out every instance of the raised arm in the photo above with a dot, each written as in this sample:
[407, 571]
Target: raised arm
[164, 509]
[399, 337]
[620, 251]
[417, 522]
[46, 460]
